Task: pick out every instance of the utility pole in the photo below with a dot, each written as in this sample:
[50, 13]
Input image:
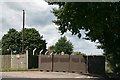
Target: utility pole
[23, 32]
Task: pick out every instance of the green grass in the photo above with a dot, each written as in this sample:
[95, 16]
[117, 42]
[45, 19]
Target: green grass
[18, 69]
[34, 69]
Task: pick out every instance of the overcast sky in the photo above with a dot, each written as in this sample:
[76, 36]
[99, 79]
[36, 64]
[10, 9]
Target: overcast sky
[38, 16]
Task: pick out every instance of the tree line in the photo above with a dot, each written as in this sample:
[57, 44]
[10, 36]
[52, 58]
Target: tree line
[32, 39]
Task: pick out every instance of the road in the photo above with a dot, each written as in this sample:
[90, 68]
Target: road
[37, 75]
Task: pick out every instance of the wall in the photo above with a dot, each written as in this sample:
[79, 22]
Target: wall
[96, 64]
[13, 62]
[67, 63]
[72, 63]
[63, 63]
[45, 62]
[77, 64]
[5, 61]
[20, 62]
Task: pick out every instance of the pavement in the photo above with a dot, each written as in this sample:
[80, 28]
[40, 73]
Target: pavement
[45, 75]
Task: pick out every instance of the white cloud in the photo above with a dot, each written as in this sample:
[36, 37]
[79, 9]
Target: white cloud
[84, 46]
[49, 32]
[38, 16]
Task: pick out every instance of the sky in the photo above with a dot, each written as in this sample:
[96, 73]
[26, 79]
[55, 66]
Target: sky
[38, 15]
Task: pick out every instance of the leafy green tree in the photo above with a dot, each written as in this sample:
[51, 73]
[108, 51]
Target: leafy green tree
[63, 46]
[9, 40]
[13, 40]
[0, 47]
[101, 22]
[51, 49]
[33, 40]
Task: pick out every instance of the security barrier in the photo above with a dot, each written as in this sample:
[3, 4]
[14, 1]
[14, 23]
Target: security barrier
[5, 61]
[61, 63]
[13, 61]
[77, 64]
[72, 63]
[45, 62]
[96, 64]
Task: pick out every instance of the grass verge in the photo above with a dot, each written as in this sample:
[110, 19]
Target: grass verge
[18, 69]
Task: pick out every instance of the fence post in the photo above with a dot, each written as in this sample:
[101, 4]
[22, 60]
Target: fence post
[69, 64]
[27, 58]
[52, 62]
[11, 58]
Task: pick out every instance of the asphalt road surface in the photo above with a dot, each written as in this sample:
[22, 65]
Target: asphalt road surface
[37, 75]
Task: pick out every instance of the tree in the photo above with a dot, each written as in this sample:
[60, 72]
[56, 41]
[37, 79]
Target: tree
[101, 22]
[51, 49]
[34, 40]
[13, 40]
[63, 46]
[9, 40]
[0, 47]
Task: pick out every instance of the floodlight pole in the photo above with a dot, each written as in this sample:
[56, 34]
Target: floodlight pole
[23, 32]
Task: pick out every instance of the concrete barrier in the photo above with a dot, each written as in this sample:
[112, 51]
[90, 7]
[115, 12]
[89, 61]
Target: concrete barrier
[6, 61]
[72, 63]
[77, 64]
[61, 63]
[13, 61]
[45, 62]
